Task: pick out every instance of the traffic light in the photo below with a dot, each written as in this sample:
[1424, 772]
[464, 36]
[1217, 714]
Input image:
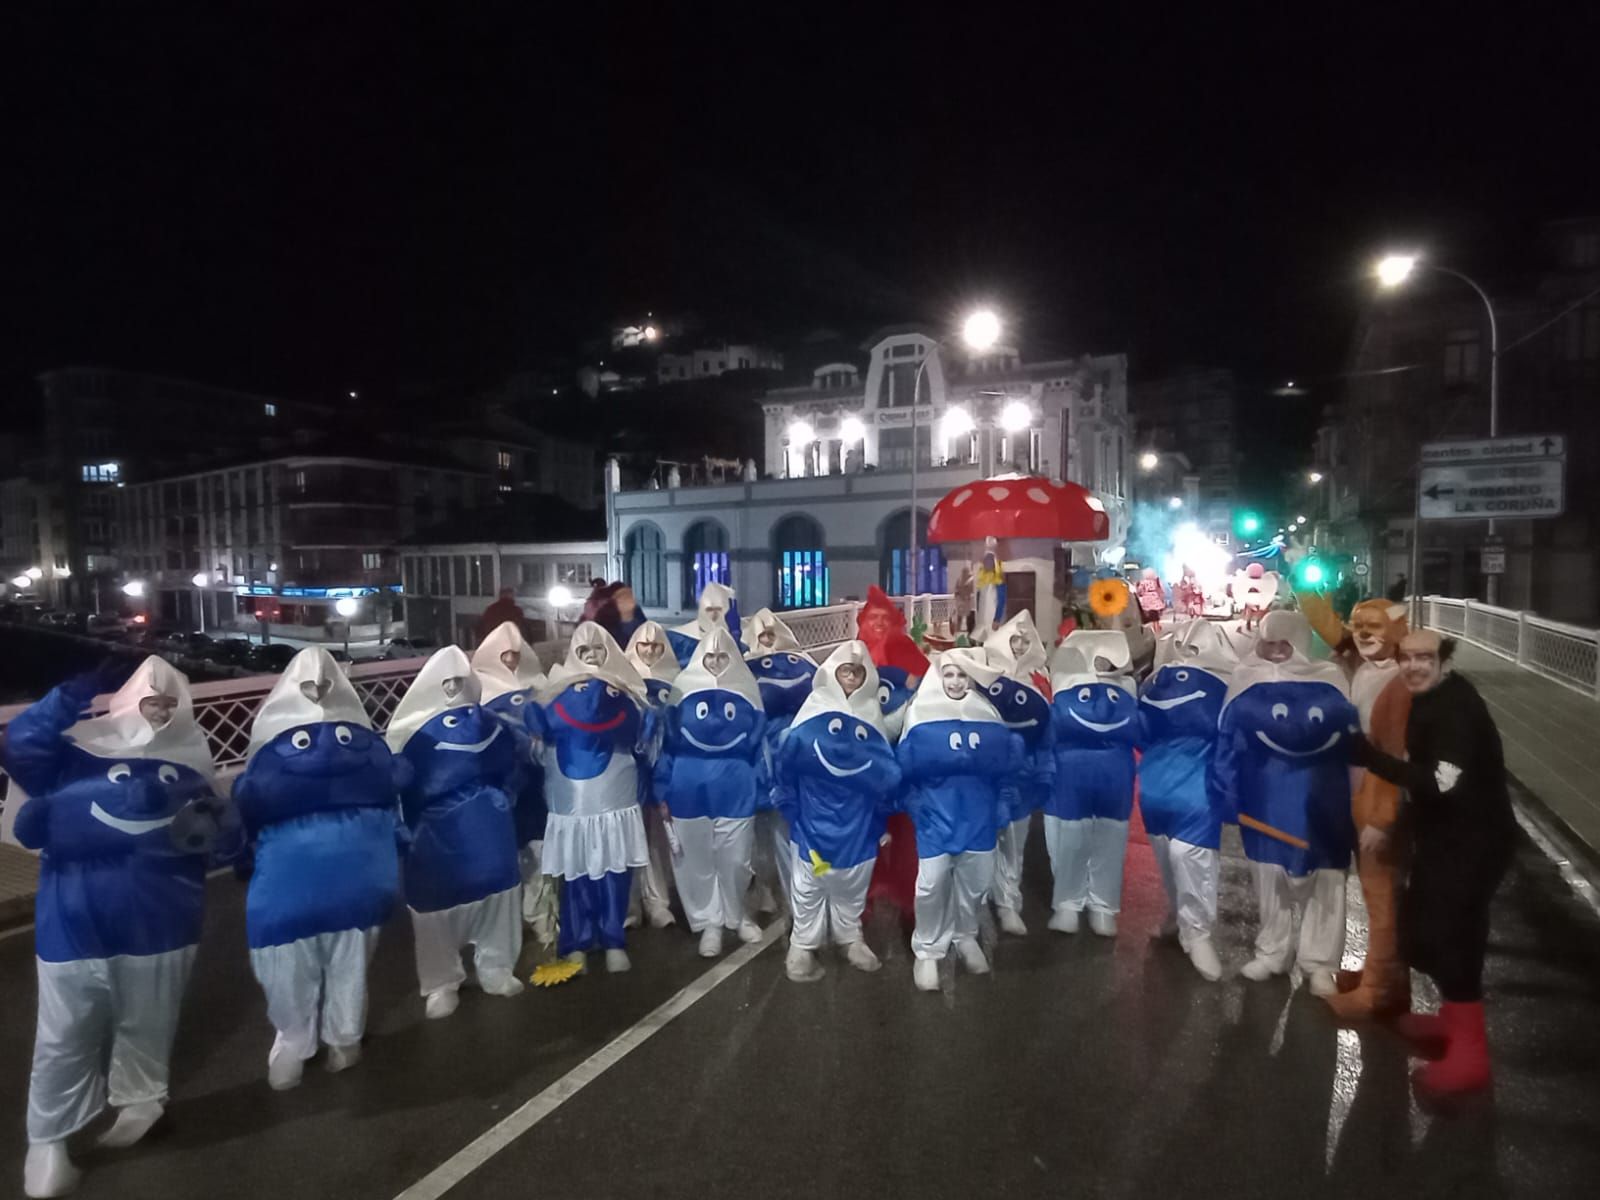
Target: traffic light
[1310, 574]
[1247, 524]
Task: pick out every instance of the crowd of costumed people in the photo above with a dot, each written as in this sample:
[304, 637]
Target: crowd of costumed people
[719, 762]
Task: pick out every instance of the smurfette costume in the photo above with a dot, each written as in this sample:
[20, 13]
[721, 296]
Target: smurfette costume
[1022, 698]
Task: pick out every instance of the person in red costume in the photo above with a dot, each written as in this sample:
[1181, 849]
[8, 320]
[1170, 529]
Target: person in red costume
[882, 626]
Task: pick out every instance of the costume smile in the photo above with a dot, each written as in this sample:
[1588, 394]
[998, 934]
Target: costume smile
[707, 747]
[836, 772]
[1096, 725]
[590, 726]
[1333, 739]
[1174, 701]
[123, 825]
[471, 747]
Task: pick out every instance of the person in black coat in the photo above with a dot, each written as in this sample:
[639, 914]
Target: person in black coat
[1456, 815]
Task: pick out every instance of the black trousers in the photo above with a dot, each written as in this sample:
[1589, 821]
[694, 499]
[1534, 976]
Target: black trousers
[1444, 914]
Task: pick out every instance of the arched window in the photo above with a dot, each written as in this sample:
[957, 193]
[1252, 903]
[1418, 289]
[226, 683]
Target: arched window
[705, 559]
[799, 550]
[645, 565]
[894, 548]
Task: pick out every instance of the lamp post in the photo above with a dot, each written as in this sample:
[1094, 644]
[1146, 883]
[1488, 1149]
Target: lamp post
[346, 608]
[979, 331]
[1392, 271]
[200, 580]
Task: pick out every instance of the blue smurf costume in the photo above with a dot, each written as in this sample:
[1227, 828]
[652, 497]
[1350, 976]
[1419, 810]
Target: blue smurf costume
[590, 725]
[1282, 762]
[462, 880]
[954, 754]
[1182, 806]
[708, 776]
[1022, 698]
[509, 673]
[651, 656]
[320, 802]
[110, 802]
[1095, 724]
[784, 673]
[839, 780]
[718, 608]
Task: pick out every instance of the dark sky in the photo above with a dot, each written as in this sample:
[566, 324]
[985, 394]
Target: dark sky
[309, 197]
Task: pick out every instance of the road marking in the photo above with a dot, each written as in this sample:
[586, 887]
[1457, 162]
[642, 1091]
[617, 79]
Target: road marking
[495, 1139]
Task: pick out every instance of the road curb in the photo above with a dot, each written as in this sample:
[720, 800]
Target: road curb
[1571, 852]
[15, 912]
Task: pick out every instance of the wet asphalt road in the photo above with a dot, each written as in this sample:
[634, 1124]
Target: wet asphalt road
[1081, 1067]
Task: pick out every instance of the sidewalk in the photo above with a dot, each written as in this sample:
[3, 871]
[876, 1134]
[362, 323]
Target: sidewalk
[19, 882]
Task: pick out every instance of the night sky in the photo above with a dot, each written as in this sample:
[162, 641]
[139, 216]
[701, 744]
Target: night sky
[312, 197]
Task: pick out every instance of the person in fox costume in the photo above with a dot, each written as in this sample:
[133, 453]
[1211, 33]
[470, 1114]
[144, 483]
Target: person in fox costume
[1368, 650]
[882, 627]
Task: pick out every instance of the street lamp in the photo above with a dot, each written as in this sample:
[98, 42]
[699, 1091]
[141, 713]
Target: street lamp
[852, 430]
[1315, 477]
[801, 435]
[200, 580]
[980, 331]
[1175, 502]
[21, 583]
[346, 608]
[35, 573]
[1016, 416]
[1149, 460]
[1392, 271]
[134, 589]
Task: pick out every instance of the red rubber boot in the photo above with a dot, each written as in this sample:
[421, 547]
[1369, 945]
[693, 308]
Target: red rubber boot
[1465, 1065]
[1425, 1031]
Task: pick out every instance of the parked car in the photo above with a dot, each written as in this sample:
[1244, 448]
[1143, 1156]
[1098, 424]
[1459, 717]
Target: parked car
[271, 658]
[105, 625]
[188, 644]
[408, 647]
[229, 652]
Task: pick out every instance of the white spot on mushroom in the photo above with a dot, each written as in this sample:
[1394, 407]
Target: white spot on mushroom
[961, 498]
[999, 493]
[1038, 495]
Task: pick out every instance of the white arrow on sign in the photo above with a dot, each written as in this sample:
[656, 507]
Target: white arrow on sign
[1494, 489]
[1539, 445]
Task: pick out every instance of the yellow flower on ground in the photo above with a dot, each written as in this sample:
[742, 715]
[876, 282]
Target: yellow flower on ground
[549, 974]
[1108, 597]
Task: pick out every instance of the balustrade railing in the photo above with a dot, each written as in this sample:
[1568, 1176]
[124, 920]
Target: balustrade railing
[1566, 654]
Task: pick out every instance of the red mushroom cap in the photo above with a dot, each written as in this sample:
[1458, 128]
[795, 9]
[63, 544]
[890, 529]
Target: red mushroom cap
[1019, 508]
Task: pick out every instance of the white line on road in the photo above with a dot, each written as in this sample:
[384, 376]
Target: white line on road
[495, 1139]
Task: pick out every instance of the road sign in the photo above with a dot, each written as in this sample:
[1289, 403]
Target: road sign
[1540, 445]
[1493, 490]
[1492, 560]
[1362, 569]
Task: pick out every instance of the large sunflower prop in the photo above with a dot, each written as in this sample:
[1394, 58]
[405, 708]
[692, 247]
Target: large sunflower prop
[1108, 597]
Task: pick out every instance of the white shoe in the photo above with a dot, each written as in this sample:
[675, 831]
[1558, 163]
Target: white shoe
[749, 931]
[925, 974]
[581, 957]
[801, 965]
[48, 1171]
[1259, 969]
[499, 983]
[711, 941]
[284, 1068]
[617, 961]
[860, 956]
[1168, 929]
[631, 921]
[661, 918]
[1064, 920]
[1204, 957]
[1011, 922]
[1322, 983]
[972, 957]
[132, 1123]
[342, 1058]
[441, 1004]
[1102, 922]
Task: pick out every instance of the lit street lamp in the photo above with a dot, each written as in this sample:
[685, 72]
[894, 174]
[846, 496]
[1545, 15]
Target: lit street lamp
[134, 589]
[1149, 460]
[21, 583]
[1315, 477]
[1175, 502]
[346, 608]
[979, 331]
[200, 581]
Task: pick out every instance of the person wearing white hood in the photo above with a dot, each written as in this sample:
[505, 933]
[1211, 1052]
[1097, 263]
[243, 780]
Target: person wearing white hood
[463, 883]
[717, 609]
[707, 778]
[319, 797]
[650, 655]
[784, 673]
[508, 671]
[954, 754]
[1022, 698]
[111, 805]
[1283, 742]
[837, 781]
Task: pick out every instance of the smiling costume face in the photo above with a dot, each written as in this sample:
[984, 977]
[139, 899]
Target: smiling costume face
[840, 727]
[1286, 704]
[442, 730]
[716, 702]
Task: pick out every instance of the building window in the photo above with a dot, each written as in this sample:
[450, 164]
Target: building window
[645, 565]
[898, 380]
[269, 409]
[502, 459]
[800, 552]
[894, 448]
[300, 481]
[705, 559]
[573, 573]
[102, 472]
[895, 551]
[1461, 357]
[371, 561]
[1582, 335]
[530, 575]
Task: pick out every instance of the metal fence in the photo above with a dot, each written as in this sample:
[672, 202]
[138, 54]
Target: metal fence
[1567, 654]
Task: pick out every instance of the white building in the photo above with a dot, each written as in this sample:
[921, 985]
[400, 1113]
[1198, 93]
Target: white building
[710, 361]
[830, 515]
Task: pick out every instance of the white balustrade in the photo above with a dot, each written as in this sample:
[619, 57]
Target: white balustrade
[1567, 654]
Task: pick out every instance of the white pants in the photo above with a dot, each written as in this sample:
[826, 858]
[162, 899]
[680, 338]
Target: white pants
[1316, 901]
[950, 889]
[655, 880]
[105, 1027]
[316, 989]
[713, 872]
[540, 899]
[774, 855]
[491, 926]
[1008, 864]
[830, 901]
[1189, 873]
[1086, 860]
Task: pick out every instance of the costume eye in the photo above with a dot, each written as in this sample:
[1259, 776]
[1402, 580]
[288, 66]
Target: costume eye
[861, 733]
[611, 691]
[995, 689]
[955, 741]
[1021, 699]
[835, 725]
[727, 711]
[300, 739]
[794, 658]
[451, 722]
[973, 741]
[1084, 695]
[1316, 714]
[884, 693]
[119, 772]
[1116, 696]
[767, 663]
[702, 710]
[343, 735]
[580, 687]
[518, 699]
[1280, 712]
[1182, 677]
[168, 774]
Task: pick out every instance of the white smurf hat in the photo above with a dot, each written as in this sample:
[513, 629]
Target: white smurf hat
[311, 690]
[495, 677]
[998, 647]
[665, 669]
[429, 694]
[124, 733]
[827, 696]
[613, 667]
[765, 620]
[733, 674]
[931, 703]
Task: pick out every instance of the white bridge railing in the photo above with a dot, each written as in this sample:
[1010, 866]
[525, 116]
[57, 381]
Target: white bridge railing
[1567, 654]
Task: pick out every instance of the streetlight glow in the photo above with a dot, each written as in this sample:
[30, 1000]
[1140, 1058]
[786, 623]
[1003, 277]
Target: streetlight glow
[133, 588]
[1175, 502]
[1301, 518]
[346, 607]
[1315, 477]
[801, 434]
[981, 329]
[955, 423]
[1394, 269]
[1149, 460]
[1016, 416]
[201, 580]
[21, 583]
[560, 596]
[852, 429]
[35, 573]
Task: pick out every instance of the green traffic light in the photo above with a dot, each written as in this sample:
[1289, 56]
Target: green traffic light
[1247, 523]
[1312, 574]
